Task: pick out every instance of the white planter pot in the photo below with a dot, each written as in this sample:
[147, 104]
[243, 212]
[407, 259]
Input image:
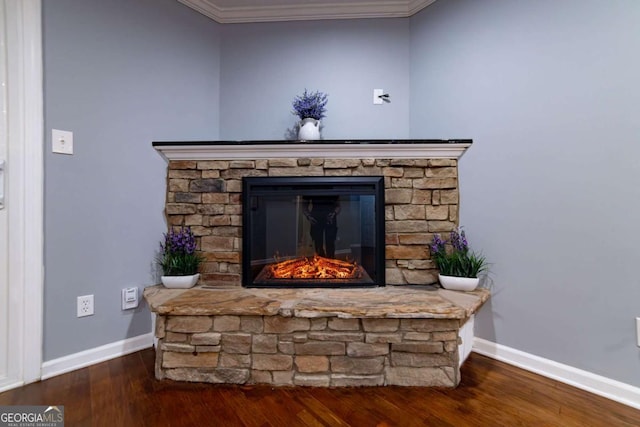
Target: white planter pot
[309, 130]
[180, 282]
[458, 283]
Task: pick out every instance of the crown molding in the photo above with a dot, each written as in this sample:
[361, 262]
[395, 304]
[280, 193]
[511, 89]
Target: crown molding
[306, 12]
[416, 6]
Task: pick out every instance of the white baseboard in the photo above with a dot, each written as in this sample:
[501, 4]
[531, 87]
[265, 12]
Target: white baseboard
[6, 384]
[92, 356]
[596, 384]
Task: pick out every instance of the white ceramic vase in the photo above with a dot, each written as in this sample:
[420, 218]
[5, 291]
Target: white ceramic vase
[309, 130]
[180, 282]
[458, 283]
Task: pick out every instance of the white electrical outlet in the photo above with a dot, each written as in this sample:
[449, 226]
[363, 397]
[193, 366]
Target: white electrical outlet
[129, 298]
[85, 305]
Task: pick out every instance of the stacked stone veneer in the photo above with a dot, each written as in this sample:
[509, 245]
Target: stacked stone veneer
[421, 198]
[308, 352]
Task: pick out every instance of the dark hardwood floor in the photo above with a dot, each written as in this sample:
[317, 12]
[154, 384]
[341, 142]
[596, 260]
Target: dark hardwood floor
[124, 392]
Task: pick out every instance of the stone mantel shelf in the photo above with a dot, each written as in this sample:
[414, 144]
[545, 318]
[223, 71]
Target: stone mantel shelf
[408, 302]
[337, 149]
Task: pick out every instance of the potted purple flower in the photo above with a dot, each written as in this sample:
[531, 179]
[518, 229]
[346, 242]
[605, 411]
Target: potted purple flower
[310, 108]
[178, 259]
[459, 266]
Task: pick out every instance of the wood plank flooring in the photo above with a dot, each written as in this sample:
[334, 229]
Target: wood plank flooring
[124, 392]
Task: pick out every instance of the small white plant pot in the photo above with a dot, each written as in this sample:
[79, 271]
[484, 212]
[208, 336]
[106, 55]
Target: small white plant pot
[180, 282]
[458, 283]
[309, 130]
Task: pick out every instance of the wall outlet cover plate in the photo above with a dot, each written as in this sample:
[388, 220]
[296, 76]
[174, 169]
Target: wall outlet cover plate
[129, 298]
[85, 306]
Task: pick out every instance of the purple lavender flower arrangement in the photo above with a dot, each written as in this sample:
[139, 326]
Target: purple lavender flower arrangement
[454, 258]
[311, 105]
[178, 255]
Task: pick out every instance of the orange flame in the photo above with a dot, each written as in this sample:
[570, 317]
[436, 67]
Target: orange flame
[315, 268]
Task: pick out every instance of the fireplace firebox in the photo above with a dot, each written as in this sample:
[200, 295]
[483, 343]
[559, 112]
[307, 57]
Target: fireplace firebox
[313, 232]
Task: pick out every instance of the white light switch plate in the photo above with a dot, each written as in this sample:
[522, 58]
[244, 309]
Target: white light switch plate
[62, 141]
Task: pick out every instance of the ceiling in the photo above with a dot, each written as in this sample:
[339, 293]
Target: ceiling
[237, 11]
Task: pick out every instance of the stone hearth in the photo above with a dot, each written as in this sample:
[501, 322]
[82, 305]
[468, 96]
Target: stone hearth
[312, 337]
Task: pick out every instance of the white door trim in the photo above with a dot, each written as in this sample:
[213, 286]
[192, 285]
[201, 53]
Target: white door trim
[34, 190]
[26, 177]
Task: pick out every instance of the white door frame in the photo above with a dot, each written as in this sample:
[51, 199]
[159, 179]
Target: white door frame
[25, 177]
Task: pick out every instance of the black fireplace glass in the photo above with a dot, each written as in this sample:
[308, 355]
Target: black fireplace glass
[313, 232]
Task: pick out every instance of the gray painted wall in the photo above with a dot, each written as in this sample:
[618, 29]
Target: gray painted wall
[548, 91]
[119, 74]
[264, 66]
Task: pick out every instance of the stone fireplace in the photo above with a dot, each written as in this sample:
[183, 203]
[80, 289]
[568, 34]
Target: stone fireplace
[403, 333]
[204, 191]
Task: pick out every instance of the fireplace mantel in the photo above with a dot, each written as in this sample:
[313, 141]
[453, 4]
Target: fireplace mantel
[337, 149]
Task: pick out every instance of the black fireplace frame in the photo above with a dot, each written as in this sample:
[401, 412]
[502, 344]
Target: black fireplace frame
[368, 185]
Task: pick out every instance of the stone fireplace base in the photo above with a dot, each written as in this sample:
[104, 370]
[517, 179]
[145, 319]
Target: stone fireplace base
[406, 336]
